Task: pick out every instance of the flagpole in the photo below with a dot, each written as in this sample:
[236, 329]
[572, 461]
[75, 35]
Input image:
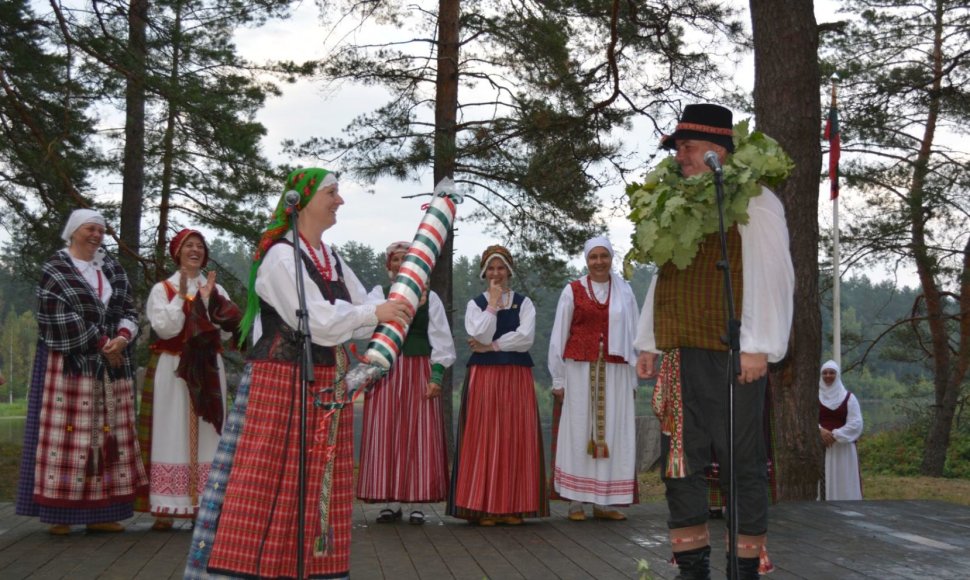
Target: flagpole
[836, 265]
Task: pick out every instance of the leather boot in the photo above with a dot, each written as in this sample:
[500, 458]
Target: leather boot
[694, 564]
[747, 568]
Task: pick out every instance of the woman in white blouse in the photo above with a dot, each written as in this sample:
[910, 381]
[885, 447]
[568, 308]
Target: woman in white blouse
[247, 522]
[498, 473]
[183, 402]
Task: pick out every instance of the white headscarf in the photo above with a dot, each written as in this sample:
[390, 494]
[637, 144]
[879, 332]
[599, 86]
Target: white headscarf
[597, 242]
[622, 325]
[78, 218]
[831, 395]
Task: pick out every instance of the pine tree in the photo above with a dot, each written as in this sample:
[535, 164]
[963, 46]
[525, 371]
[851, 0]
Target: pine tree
[905, 69]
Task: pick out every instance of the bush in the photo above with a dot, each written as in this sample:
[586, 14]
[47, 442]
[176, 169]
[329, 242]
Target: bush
[900, 452]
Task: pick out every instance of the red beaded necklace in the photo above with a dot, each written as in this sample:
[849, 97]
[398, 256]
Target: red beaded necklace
[592, 295]
[325, 270]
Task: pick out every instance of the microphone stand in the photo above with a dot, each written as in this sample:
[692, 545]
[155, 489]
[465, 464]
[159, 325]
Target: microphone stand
[306, 378]
[734, 367]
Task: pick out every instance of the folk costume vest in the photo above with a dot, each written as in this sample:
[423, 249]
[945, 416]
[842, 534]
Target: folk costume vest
[590, 328]
[689, 304]
[835, 418]
[508, 321]
[416, 343]
[281, 343]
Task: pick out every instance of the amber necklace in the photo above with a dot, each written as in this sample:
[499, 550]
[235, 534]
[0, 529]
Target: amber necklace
[609, 291]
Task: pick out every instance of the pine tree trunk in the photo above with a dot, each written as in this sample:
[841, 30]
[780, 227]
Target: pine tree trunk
[446, 114]
[133, 180]
[788, 108]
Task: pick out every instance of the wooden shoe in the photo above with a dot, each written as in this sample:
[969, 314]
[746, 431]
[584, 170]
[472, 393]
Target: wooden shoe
[612, 515]
[59, 530]
[163, 524]
[108, 527]
[512, 520]
[486, 522]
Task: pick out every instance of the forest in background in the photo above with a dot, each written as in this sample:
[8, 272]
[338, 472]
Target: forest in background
[895, 385]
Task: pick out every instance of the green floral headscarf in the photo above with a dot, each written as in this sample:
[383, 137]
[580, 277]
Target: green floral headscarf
[307, 182]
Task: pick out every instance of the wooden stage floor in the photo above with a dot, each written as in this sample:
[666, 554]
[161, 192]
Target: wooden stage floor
[838, 540]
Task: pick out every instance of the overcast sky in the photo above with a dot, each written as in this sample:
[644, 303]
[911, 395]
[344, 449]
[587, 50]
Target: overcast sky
[382, 215]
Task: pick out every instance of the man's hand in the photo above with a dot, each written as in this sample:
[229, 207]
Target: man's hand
[753, 367]
[647, 365]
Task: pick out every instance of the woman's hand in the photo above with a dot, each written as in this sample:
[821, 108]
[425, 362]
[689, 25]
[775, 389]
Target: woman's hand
[495, 291]
[210, 285]
[434, 391]
[394, 311]
[114, 351]
[558, 393]
[476, 346]
[827, 438]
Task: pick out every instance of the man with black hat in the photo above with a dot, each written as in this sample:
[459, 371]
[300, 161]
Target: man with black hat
[684, 318]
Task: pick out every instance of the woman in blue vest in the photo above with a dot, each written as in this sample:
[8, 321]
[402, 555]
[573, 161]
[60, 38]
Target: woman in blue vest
[498, 472]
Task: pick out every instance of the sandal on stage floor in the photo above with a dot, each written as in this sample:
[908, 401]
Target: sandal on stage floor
[416, 518]
[163, 524]
[387, 516]
[59, 530]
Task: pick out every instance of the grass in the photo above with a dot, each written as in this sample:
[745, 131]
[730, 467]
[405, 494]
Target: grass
[875, 486]
[15, 409]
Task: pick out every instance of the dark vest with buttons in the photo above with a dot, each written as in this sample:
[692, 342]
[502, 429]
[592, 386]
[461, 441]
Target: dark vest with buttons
[281, 343]
[507, 321]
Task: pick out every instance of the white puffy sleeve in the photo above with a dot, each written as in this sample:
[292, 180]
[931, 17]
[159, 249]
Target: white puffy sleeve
[559, 336]
[769, 278]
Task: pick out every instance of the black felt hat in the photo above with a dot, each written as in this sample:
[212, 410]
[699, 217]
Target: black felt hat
[704, 122]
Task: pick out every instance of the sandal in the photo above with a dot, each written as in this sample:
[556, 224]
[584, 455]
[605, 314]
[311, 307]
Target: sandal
[163, 524]
[387, 516]
[416, 518]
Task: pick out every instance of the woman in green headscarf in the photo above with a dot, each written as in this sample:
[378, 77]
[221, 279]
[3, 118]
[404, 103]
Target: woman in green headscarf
[247, 525]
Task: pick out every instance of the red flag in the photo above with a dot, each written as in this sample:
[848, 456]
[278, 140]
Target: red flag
[835, 148]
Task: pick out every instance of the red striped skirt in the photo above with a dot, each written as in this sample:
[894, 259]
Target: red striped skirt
[500, 471]
[257, 533]
[402, 446]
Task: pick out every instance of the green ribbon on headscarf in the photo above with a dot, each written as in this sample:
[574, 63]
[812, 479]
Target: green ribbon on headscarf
[306, 182]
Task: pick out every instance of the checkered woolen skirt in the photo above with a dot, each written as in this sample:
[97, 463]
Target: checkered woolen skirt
[59, 416]
[247, 524]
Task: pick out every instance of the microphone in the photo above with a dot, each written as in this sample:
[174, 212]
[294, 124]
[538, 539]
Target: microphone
[711, 160]
[292, 198]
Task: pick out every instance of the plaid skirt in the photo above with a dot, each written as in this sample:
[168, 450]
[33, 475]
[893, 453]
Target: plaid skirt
[58, 437]
[248, 518]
